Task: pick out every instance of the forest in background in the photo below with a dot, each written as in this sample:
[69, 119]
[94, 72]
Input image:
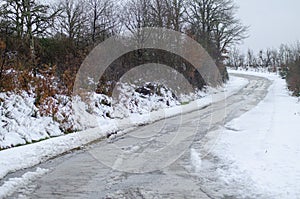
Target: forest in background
[285, 61]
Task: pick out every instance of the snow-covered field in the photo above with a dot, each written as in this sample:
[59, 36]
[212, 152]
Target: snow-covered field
[263, 144]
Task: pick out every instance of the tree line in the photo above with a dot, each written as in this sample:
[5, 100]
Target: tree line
[53, 39]
[284, 60]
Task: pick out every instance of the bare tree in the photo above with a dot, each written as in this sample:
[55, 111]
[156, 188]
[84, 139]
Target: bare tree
[250, 58]
[103, 19]
[228, 31]
[72, 20]
[265, 58]
[214, 24]
[234, 58]
[275, 59]
[137, 14]
[159, 13]
[176, 14]
[28, 18]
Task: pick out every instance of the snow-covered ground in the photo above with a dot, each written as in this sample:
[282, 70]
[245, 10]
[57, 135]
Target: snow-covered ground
[20, 122]
[32, 154]
[263, 144]
[13, 184]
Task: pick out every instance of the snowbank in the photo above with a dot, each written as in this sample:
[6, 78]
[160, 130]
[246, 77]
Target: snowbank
[20, 122]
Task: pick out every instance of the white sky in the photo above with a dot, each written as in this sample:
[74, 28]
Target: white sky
[272, 22]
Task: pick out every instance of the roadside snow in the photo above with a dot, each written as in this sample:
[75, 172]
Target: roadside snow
[30, 155]
[265, 143]
[13, 184]
[20, 122]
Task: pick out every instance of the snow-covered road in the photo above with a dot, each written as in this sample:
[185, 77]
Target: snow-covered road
[172, 158]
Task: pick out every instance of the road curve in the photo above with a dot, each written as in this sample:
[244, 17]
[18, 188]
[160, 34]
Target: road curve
[83, 174]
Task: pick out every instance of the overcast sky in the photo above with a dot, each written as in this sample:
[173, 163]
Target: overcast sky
[271, 22]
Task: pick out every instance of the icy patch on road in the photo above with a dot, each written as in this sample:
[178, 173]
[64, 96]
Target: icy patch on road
[196, 160]
[13, 184]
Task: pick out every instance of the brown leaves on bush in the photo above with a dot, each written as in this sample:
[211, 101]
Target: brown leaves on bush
[293, 77]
